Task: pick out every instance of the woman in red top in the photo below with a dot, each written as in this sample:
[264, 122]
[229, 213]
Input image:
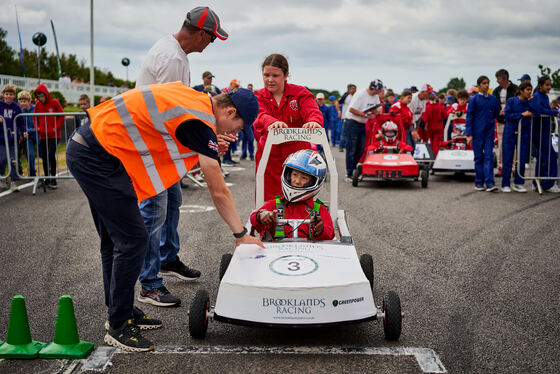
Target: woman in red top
[281, 105]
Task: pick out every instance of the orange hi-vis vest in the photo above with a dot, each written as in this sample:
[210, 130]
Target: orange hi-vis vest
[138, 127]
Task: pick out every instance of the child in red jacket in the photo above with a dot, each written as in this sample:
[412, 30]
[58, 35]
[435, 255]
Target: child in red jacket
[49, 128]
[433, 118]
[303, 175]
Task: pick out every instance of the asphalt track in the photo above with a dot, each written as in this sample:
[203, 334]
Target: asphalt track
[477, 274]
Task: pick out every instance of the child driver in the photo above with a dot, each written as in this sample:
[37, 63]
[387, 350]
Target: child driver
[303, 175]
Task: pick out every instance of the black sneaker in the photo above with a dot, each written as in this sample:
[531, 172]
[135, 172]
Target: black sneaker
[143, 321]
[159, 297]
[179, 270]
[52, 185]
[128, 338]
[140, 319]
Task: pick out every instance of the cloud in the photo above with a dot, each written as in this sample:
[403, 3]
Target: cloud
[329, 43]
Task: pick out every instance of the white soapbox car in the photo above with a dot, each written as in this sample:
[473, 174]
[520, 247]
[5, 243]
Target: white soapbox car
[458, 157]
[295, 282]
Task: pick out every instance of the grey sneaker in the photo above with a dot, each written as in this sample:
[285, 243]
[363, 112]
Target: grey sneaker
[506, 189]
[159, 297]
[128, 338]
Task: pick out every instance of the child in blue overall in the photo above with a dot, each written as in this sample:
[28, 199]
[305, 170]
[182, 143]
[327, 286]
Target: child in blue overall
[516, 108]
[542, 139]
[482, 110]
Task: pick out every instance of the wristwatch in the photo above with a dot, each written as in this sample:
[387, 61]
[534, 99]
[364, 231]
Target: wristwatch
[240, 234]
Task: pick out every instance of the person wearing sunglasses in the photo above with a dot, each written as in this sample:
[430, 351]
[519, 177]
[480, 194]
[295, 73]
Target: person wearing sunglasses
[167, 62]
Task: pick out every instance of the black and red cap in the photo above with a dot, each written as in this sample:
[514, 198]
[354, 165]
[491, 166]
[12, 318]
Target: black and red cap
[206, 19]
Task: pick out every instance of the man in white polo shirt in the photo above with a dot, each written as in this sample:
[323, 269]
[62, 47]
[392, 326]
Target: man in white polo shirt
[355, 124]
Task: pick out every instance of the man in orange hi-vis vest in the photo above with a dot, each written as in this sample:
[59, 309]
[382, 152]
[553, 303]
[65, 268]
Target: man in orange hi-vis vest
[135, 146]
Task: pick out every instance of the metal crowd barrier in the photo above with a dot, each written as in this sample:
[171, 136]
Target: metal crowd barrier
[542, 150]
[5, 172]
[45, 159]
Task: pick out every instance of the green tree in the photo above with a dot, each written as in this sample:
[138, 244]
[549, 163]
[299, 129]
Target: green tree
[8, 60]
[554, 75]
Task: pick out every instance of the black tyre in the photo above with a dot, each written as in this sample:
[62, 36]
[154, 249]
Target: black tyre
[424, 176]
[198, 314]
[392, 323]
[366, 262]
[355, 177]
[224, 263]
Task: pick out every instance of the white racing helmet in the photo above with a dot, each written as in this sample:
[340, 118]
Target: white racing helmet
[387, 127]
[309, 162]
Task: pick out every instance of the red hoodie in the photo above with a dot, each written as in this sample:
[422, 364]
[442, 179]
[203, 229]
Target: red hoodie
[49, 127]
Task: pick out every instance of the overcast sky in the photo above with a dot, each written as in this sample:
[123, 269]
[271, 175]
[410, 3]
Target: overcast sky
[328, 43]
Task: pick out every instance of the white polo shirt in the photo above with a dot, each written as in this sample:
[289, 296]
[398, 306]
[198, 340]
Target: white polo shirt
[361, 101]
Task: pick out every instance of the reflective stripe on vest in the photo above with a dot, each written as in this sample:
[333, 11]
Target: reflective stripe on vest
[152, 155]
[279, 232]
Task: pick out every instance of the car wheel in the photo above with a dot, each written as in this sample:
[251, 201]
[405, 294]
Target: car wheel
[366, 262]
[224, 263]
[355, 177]
[198, 314]
[392, 322]
[424, 176]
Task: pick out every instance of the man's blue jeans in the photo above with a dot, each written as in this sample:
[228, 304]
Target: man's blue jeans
[355, 142]
[161, 217]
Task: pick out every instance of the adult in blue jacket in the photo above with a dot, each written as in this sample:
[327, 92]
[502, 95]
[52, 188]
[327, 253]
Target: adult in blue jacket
[546, 156]
[481, 112]
[332, 114]
[320, 98]
[516, 108]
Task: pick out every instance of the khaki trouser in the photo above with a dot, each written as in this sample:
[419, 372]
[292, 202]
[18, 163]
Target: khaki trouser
[500, 131]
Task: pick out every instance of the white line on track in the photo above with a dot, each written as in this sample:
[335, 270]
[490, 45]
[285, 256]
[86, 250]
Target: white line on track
[427, 359]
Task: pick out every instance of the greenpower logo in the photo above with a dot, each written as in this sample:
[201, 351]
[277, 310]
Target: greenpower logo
[336, 303]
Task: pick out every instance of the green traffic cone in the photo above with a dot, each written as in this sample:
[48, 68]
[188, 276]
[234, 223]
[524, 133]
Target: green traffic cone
[66, 343]
[18, 343]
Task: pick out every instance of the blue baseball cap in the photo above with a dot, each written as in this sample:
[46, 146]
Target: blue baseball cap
[246, 104]
[525, 77]
[332, 97]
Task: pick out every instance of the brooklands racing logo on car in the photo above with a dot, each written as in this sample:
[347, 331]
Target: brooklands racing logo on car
[293, 105]
[336, 303]
[293, 306]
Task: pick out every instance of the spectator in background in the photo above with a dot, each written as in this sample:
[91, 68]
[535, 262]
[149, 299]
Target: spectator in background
[207, 81]
[320, 98]
[226, 159]
[84, 103]
[482, 109]
[516, 108]
[417, 106]
[413, 89]
[32, 143]
[433, 118]
[451, 96]
[525, 78]
[356, 123]
[541, 134]
[389, 100]
[250, 86]
[505, 90]
[9, 109]
[344, 103]
[49, 131]
[336, 125]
